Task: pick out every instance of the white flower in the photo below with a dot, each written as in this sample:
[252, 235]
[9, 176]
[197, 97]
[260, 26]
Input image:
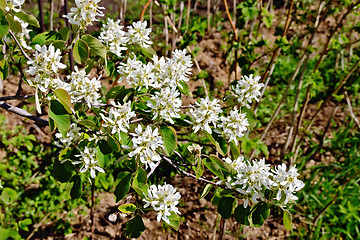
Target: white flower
[72, 136]
[139, 34]
[145, 145]
[114, 37]
[84, 13]
[112, 217]
[14, 5]
[82, 88]
[46, 62]
[206, 112]
[1, 186]
[137, 74]
[286, 182]
[234, 126]
[89, 162]
[163, 199]
[20, 36]
[247, 89]
[119, 117]
[165, 104]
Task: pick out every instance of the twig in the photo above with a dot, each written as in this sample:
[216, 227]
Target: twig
[230, 20]
[41, 15]
[351, 110]
[144, 9]
[19, 45]
[92, 214]
[23, 113]
[6, 98]
[37, 226]
[184, 172]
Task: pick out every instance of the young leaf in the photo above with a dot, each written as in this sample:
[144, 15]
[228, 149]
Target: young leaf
[287, 219]
[170, 139]
[242, 214]
[87, 123]
[206, 190]
[65, 33]
[199, 169]
[113, 143]
[64, 99]
[259, 213]
[123, 186]
[45, 36]
[60, 116]
[81, 51]
[4, 69]
[225, 206]
[2, 4]
[134, 227]
[30, 19]
[95, 45]
[215, 169]
[15, 26]
[8, 195]
[4, 25]
[127, 208]
[174, 221]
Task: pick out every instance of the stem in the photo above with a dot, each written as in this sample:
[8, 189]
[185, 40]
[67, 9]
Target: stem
[23, 113]
[6, 98]
[19, 45]
[92, 215]
[41, 16]
[144, 9]
[172, 163]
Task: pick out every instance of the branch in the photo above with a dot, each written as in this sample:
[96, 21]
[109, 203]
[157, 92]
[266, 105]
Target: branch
[23, 113]
[144, 9]
[21, 49]
[6, 98]
[184, 172]
[351, 110]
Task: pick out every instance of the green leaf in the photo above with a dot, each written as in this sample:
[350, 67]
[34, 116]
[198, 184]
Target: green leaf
[174, 221]
[65, 33]
[76, 189]
[4, 25]
[234, 150]
[8, 195]
[60, 116]
[259, 213]
[60, 44]
[199, 169]
[218, 141]
[4, 69]
[113, 143]
[23, 224]
[81, 51]
[37, 102]
[170, 139]
[251, 117]
[95, 46]
[184, 88]
[64, 99]
[134, 227]
[65, 153]
[62, 171]
[242, 214]
[15, 26]
[113, 92]
[140, 178]
[225, 207]
[104, 147]
[87, 123]
[30, 19]
[206, 190]
[214, 168]
[127, 208]
[220, 163]
[45, 36]
[122, 188]
[2, 4]
[148, 52]
[287, 220]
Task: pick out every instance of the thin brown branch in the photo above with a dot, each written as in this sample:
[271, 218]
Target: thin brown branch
[351, 110]
[230, 20]
[6, 98]
[172, 163]
[19, 45]
[144, 9]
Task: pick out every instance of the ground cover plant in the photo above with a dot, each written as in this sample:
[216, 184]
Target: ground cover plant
[126, 115]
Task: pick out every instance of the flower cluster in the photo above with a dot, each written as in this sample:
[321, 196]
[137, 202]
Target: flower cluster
[247, 89]
[159, 74]
[88, 161]
[82, 88]
[119, 117]
[72, 136]
[166, 104]
[47, 62]
[253, 178]
[234, 126]
[145, 145]
[84, 13]
[206, 112]
[116, 40]
[163, 199]
[14, 5]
